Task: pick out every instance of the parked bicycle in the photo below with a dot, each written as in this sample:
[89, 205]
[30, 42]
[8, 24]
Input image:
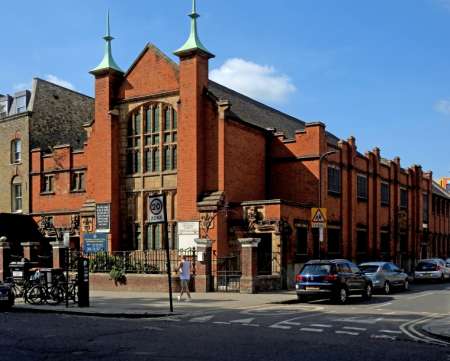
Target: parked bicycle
[44, 293]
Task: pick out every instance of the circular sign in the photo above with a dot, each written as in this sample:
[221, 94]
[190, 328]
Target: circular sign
[156, 206]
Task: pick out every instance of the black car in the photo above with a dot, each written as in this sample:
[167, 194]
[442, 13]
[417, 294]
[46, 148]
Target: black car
[336, 279]
[6, 297]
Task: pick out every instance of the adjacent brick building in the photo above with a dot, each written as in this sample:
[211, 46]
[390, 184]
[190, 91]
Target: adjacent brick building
[236, 167]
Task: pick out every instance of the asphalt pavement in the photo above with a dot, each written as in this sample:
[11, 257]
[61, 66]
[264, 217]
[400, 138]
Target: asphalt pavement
[386, 328]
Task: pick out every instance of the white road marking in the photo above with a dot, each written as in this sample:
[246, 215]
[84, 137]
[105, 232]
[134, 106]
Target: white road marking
[369, 321]
[221, 323]
[281, 327]
[201, 319]
[382, 305]
[408, 329]
[244, 321]
[390, 331]
[347, 333]
[354, 328]
[320, 325]
[420, 295]
[386, 337]
[286, 325]
[153, 328]
[307, 329]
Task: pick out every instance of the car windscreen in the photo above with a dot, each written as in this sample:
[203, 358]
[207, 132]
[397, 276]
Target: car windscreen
[426, 266]
[368, 268]
[316, 269]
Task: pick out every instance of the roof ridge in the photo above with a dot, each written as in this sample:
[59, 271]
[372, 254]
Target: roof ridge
[257, 103]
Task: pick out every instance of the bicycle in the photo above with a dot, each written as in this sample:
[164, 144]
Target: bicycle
[42, 293]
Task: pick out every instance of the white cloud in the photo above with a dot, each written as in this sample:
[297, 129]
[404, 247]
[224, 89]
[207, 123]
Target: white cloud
[443, 106]
[21, 86]
[262, 82]
[55, 80]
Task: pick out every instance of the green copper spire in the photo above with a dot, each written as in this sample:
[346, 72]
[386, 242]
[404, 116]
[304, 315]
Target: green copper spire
[193, 43]
[108, 61]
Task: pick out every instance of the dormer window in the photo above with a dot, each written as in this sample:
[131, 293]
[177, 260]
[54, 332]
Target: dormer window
[3, 109]
[21, 104]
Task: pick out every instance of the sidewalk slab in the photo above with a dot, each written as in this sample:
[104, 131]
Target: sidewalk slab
[150, 305]
[439, 328]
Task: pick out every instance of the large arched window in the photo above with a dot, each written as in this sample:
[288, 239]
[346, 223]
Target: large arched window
[16, 151]
[16, 194]
[154, 137]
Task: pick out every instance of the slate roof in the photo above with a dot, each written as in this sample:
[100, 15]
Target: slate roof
[438, 190]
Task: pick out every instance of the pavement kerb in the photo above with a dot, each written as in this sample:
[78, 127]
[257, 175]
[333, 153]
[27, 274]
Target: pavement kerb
[135, 315]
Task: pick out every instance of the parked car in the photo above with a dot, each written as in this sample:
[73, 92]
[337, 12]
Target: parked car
[335, 279]
[447, 262]
[6, 296]
[385, 276]
[432, 269]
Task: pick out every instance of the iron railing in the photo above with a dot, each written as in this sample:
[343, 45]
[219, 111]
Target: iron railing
[138, 262]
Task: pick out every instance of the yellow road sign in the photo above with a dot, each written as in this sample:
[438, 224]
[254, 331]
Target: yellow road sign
[318, 217]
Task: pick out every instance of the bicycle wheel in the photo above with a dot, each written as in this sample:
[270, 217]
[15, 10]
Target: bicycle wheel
[35, 295]
[74, 293]
[55, 295]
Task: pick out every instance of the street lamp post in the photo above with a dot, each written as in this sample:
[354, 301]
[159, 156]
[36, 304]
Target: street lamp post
[322, 157]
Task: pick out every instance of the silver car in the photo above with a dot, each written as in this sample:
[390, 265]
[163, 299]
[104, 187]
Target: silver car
[432, 269]
[385, 276]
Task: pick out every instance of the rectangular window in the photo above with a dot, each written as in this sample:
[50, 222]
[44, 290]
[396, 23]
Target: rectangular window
[425, 208]
[403, 198]
[153, 236]
[167, 162]
[385, 241]
[385, 194]
[302, 241]
[137, 236]
[174, 158]
[16, 151]
[21, 104]
[174, 119]
[361, 187]
[156, 119]
[137, 124]
[148, 160]
[167, 119]
[17, 197]
[78, 182]
[47, 183]
[156, 162]
[334, 180]
[334, 240]
[361, 241]
[148, 120]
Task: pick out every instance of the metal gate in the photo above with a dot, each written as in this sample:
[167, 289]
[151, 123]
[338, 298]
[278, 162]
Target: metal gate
[228, 273]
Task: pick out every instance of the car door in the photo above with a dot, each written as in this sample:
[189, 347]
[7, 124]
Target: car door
[358, 280]
[396, 275]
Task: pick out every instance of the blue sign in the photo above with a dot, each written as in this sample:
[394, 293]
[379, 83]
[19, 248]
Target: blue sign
[95, 242]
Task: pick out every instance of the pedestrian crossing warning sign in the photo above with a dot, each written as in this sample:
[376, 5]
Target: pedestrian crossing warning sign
[318, 217]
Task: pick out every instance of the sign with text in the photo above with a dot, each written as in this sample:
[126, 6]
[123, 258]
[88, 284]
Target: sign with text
[95, 242]
[188, 232]
[156, 209]
[103, 217]
[318, 217]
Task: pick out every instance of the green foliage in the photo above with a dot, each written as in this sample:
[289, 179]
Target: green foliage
[118, 275]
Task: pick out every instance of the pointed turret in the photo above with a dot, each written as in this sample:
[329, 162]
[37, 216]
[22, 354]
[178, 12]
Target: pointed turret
[108, 62]
[194, 43]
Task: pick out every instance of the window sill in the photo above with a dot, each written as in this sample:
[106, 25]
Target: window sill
[334, 194]
[362, 199]
[78, 191]
[47, 193]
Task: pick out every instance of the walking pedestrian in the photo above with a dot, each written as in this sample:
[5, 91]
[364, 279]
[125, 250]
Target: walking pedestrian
[184, 268]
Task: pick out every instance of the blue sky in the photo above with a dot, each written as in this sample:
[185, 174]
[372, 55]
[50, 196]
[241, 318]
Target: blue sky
[378, 70]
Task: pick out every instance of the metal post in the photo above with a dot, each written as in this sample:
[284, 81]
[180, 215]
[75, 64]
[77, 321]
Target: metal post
[166, 237]
[322, 157]
[66, 265]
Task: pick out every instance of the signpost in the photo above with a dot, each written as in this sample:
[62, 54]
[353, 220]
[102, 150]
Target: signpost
[157, 214]
[319, 220]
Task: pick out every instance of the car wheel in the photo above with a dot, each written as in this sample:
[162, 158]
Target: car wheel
[406, 285]
[342, 296]
[442, 278]
[367, 295]
[387, 288]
